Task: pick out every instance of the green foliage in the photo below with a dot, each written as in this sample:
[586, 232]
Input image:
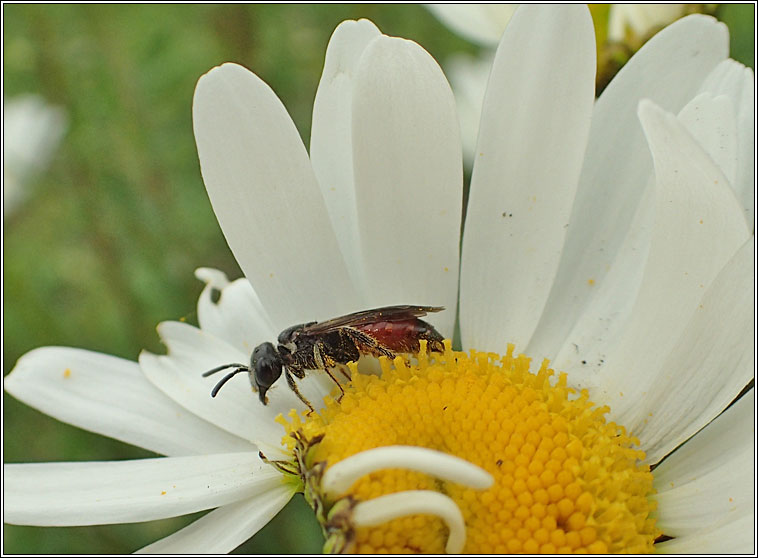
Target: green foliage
[106, 244]
[740, 18]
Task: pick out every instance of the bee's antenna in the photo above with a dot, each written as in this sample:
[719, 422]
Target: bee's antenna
[239, 368]
[222, 367]
[228, 377]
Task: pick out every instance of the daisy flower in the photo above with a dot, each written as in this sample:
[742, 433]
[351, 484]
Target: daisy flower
[608, 237]
[32, 131]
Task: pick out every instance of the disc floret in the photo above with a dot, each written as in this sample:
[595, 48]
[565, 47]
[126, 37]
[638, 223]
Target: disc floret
[565, 478]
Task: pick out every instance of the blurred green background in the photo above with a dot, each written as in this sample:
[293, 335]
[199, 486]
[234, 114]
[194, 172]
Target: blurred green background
[105, 245]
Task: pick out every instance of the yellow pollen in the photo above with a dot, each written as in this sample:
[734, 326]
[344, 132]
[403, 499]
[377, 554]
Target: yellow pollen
[67, 373]
[566, 480]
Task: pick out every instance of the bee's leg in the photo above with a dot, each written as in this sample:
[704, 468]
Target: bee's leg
[282, 465]
[293, 386]
[296, 371]
[367, 344]
[325, 362]
[344, 371]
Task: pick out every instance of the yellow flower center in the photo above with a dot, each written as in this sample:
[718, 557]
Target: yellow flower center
[566, 480]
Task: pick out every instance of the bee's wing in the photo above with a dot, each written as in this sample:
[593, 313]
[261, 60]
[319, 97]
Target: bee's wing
[384, 314]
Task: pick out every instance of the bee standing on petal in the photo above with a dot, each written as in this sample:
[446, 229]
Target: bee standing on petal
[386, 331]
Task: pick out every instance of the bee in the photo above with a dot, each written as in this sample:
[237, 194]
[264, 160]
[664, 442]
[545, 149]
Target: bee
[386, 331]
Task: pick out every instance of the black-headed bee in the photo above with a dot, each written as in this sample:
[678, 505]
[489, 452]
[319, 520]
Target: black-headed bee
[386, 331]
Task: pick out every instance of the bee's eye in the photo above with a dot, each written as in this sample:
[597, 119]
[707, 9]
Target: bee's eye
[267, 365]
[267, 372]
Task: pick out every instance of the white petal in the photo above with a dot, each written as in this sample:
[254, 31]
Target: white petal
[408, 178]
[668, 69]
[342, 475]
[480, 23]
[224, 529]
[97, 493]
[413, 502]
[237, 317]
[111, 396]
[698, 229]
[711, 362]
[713, 448]
[606, 314]
[711, 121]
[738, 83]
[236, 408]
[266, 198]
[736, 537]
[709, 482]
[535, 121]
[332, 139]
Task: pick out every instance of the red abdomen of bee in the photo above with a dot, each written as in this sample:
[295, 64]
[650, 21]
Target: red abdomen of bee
[403, 336]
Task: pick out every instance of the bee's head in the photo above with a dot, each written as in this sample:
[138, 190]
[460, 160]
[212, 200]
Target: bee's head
[266, 366]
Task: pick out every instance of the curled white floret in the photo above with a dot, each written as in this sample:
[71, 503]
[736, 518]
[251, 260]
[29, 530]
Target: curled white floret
[341, 476]
[411, 502]
[212, 277]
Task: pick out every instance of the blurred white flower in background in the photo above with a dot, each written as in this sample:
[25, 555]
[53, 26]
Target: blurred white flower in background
[32, 131]
[482, 24]
[468, 78]
[641, 19]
